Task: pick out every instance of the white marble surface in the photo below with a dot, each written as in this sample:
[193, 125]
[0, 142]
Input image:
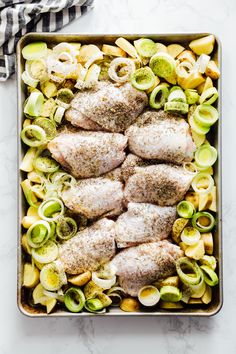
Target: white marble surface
[122, 335]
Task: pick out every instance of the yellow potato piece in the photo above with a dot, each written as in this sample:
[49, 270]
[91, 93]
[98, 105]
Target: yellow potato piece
[198, 138]
[161, 48]
[27, 164]
[213, 205]
[39, 265]
[206, 298]
[170, 305]
[193, 80]
[183, 246]
[203, 45]
[32, 211]
[187, 55]
[50, 304]
[27, 221]
[38, 295]
[208, 242]
[205, 85]
[205, 200]
[127, 47]
[175, 49]
[25, 124]
[30, 276]
[76, 45]
[25, 245]
[212, 70]
[92, 73]
[177, 228]
[129, 304]
[193, 301]
[113, 50]
[196, 251]
[170, 281]
[80, 279]
[193, 198]
[86, 52]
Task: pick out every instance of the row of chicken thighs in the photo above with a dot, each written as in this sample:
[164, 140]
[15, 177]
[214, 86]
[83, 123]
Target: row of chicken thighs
[128, 165]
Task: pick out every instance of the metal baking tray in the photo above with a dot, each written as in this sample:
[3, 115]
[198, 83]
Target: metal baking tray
[215, 138]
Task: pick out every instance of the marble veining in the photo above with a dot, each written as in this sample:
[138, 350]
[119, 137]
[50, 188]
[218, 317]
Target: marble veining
[126, 335]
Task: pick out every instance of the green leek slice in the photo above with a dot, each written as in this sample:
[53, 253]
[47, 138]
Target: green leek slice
[185, 209]
[197, 127]
[28, 193]
[209, 96]
[170, 293]
[198, 290]
[64, 95]
[190, 236]
[74, 299]
[205, 115]
[33, 51]
[210, 261]
[33, 135]
[48, 126]
[159, 96]
[27, 162]
[52, 276]
[94, 305]
[177, 95]
[58, 114]
[145, 47]
[143, 78]
[163, 65]
[38, 234]
[192, 96]
[203, 221]
[209, 275]
[46, 253]
[66, 228]
[51, 209]
[176, 107]
[46, 164]
[34, 104]
[202, 183]
[192, 266]
[205, 156]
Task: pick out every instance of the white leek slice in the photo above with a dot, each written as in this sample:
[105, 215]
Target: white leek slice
[201, 63]
[92, 59]
[27, 162]
[34, 51]
[209, 96]
[205, 156]
[52, 276]
[202, 183]
[118, 63]
[34, 104]
[149, 295]
[28, 80]
[190, 236]
[177, 95]
[45, 254]
[51, 209]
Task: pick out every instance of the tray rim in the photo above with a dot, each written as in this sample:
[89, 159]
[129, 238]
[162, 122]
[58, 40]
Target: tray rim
[162, 36]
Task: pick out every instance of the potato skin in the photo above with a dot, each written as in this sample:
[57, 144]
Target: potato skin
[129, 304]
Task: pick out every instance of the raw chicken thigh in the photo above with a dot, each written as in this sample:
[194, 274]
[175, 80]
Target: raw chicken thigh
[90, 248]
[94, 197]
[144, 264]
[88, 154]
[144, 223]
[162, 136]
[158, 184]
[107, 106]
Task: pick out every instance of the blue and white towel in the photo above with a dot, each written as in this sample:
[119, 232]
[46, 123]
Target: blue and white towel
[18, 17]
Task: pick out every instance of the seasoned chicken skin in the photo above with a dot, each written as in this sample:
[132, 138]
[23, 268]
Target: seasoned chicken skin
[94, 197]
[107, 106]
[144, 264]
[90, 248]
[144, 223]
[158, 184]
[162, 136]
[88, 154]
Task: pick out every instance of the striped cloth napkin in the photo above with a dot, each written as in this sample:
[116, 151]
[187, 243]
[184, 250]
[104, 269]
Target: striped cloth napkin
[18, 17]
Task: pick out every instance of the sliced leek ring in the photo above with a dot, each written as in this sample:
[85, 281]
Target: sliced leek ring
[51, 209]
[127, 66]
[190, 236]
[195, 276]
[104, 277]
[205, 115]
[177, 95]
[159, 96]
[38, 234]
[48, 126]
[94, 305]
[191, 167]
[197, 127]
[198, 290]
[210, 261]
[34, 104]
[176, 107]
[202, 183]
[170, 293]
[203, 221]
[52, 276]
[28, 193]
[74, 299]
[209, 275]
[58, 114]
[66, 228]
[33, 51]
[149, 295]
[145, 47]
[201, 63]
[183, 69]
[47, 253]
[209, 96]
[28, 80]
[36, 69]
[163, 65]
[33, 135]
[185, 209]
[205, 156]
[143, 78]
[192, 96]
[46, 164]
